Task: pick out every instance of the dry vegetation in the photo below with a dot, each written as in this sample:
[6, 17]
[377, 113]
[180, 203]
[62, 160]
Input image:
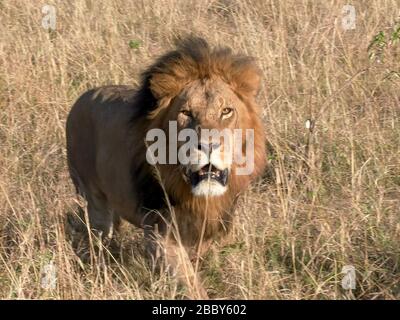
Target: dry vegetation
[333, 203]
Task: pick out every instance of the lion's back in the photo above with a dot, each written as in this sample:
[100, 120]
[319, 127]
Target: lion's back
[103, 135]
[92, 115]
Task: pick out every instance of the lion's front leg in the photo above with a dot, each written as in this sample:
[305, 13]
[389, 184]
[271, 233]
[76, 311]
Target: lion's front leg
[166, 253]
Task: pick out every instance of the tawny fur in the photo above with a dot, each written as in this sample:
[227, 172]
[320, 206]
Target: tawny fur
[106, 130]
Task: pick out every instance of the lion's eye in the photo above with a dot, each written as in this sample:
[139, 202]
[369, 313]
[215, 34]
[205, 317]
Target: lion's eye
[186, 113]
[226, 112]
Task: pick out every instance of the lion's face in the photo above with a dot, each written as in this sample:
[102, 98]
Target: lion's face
[211, 110]
[200, 89]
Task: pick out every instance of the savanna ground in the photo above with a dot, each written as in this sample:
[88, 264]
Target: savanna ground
[330, 199]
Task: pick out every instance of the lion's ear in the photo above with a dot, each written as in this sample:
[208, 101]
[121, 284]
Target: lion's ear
[163, 85]
[252, 83]
[164, 88]
[247, 79]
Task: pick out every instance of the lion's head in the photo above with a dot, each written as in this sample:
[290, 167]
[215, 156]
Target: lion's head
[207, 94]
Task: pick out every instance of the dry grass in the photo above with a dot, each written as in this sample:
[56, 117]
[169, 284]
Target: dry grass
[294, 231]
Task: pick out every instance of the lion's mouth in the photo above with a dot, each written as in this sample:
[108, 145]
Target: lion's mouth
[208, 172]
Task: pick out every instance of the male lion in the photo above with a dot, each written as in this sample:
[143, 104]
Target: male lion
[178, 205]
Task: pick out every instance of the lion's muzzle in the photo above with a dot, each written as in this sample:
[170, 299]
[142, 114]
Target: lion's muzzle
[208, 170]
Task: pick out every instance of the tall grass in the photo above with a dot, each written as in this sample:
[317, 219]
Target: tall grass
[331, 197]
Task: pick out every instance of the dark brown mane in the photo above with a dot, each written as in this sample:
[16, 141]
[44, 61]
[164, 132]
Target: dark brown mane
[194, 59]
